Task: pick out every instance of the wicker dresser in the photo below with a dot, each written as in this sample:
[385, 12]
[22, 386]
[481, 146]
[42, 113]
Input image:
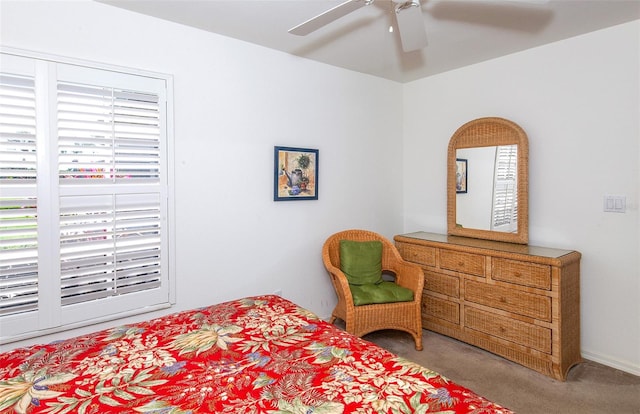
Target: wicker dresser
[518, 301]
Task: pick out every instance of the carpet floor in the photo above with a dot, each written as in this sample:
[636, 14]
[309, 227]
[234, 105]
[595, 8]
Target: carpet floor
[591, 388]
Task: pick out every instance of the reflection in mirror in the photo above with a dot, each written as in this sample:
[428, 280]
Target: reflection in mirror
[489, 200]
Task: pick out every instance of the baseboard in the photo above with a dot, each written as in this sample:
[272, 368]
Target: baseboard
[611, 362]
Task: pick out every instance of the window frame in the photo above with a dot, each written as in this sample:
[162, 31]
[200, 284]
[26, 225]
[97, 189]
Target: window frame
[50, 317]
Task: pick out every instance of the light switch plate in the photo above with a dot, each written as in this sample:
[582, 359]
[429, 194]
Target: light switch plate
[615, 203]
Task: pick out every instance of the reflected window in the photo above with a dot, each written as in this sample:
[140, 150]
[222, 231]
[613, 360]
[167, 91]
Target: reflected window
[504, 215]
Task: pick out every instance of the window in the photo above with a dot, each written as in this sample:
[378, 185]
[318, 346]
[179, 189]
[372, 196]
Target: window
[505, 192]
[85, 196]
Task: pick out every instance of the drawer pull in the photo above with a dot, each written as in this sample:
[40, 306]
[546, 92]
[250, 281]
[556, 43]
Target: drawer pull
[461, 264]
[517, 274]
[503, 299]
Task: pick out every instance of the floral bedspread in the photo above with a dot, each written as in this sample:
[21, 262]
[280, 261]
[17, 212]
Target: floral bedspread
[255, 355]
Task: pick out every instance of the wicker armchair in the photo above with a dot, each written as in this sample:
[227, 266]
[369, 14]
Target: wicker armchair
[363, 319]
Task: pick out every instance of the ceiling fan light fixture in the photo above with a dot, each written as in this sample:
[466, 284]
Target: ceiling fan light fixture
[403, 4]
[410, 21]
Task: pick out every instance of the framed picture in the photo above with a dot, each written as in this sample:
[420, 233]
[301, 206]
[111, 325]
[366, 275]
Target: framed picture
[295, 173]
[461, 175]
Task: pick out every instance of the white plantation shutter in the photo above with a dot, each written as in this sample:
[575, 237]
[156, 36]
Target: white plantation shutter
[505, 192]
[110, 243]
[138, 242]
[18, 255]
[17, 130]
[107, 133]
[18, 214]
[84, 203]
[109, 246]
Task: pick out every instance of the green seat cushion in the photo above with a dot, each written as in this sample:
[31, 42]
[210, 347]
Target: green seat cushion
[361, 262]
[384, 292]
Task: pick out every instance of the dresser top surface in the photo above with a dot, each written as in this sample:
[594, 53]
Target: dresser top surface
[489, 244]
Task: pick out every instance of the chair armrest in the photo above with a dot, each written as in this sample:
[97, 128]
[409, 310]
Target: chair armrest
[409, 275]
[341, 284]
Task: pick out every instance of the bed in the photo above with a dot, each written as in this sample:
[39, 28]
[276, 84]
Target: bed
[261, 354]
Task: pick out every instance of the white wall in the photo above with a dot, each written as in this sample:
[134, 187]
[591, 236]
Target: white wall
[578, 101]
[234, 102]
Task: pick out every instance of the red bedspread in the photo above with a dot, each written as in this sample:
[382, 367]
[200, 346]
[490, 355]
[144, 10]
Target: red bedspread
[254, 355]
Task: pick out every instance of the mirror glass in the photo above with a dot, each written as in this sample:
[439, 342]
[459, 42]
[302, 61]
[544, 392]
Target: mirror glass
[488, 181]
[492, 174]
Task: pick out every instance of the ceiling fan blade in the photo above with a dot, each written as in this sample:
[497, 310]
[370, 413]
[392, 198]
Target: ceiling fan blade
[413, 34]
[327, 17]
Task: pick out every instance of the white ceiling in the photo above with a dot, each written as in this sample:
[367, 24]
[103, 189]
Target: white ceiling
[460, 32]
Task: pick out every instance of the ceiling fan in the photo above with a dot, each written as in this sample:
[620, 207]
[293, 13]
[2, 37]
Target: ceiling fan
[408, 13]
[410, 23]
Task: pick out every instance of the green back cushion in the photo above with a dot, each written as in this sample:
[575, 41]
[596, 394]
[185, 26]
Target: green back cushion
[361, 262]
[385, 292]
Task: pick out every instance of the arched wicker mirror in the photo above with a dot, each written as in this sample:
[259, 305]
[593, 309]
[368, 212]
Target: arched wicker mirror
[488, 181]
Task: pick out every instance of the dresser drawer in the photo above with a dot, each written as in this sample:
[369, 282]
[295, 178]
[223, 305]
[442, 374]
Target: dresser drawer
[433, 307]
[521, 273]
[522, 303]
[469, 263]
[417, 254]
[444, 284]
[522, 333]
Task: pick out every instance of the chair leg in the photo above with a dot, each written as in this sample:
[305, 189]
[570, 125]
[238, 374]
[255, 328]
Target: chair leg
[417, 337]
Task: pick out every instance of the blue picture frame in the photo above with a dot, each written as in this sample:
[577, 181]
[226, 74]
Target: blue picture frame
[295, 173]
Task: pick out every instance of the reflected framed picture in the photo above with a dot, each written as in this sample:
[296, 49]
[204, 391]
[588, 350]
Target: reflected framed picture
[461, 175]
[295, 172]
